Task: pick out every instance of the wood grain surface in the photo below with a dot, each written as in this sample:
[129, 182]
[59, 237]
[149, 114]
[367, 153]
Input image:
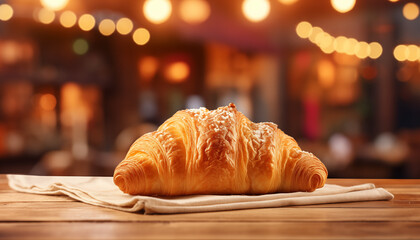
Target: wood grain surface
[31, 216]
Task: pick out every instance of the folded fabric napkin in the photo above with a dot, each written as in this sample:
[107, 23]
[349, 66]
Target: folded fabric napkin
[101, 191]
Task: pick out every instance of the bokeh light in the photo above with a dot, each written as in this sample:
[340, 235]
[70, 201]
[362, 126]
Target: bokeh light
[157, 11]
[256, 10]
[148, 67]
[124, 26]
[314, 33]
[87, 22]
[54, 5]
[304, 29]
[141, 36]
[46, 16]
[194, 11]
[411, 11]
[106, 27]
[47, 102]
[287, 2]
[400, 52]
[362, 50]
[350, 46]
[326, 73]
[413, 52]
[343, 6]
[339, 44]
[80, 46]
[375, 50]
[177, 72]
[68, 19]
[6, 12]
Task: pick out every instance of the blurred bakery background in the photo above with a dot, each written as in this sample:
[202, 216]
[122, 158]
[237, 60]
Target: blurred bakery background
[80, 80]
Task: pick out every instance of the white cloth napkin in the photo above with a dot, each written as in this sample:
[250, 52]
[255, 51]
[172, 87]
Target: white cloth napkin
[101, 191]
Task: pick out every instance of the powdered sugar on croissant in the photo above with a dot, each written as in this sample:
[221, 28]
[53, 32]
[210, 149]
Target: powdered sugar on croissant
[198, 151]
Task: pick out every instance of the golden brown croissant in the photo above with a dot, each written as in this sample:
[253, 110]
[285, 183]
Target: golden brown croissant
[198, 151]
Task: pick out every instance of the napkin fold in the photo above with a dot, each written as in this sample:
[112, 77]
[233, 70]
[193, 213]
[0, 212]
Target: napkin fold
[101, 191]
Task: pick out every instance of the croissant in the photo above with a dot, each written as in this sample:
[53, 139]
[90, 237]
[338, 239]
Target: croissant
[198, 151]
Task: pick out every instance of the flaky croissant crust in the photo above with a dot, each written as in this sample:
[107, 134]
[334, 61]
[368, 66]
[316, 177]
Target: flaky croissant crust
[198, 151]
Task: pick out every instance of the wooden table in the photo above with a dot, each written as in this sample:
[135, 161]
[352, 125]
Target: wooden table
[28, 216]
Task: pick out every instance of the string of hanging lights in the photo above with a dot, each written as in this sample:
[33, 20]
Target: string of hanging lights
[198, 11]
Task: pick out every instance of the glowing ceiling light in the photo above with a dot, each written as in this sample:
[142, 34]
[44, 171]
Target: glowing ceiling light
[194, 11]
[375, 50]
[141, 36]
[157, 11]
[86, 22]
[400, 52]
[68, 19]
[124, 26]
[6, 12]
[304, 29]
[343, 6]
[106, 27]
[256, 10]
[288, 2]
[411, 11]
[46, 16]
[54, 5]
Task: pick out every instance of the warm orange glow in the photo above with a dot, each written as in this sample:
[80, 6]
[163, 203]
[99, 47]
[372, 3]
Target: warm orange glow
[124, 26]
[46, 16]
[304, 29]
[54, 5]
[343, 6]
[326, 73]
[194, 11]
[47, 102]
[288, 2]
[177, 72]
[68, 19]
[256, 10]
[6, 12]
[401, 53]
[71, 96]
[393, 0]
[141, 36]
[106, 27]
[157, 11]
[148, 67]
[87, 22]
[411, 11]
[375, 50]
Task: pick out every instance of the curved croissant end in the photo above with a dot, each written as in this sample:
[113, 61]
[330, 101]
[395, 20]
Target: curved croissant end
[217, 152]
